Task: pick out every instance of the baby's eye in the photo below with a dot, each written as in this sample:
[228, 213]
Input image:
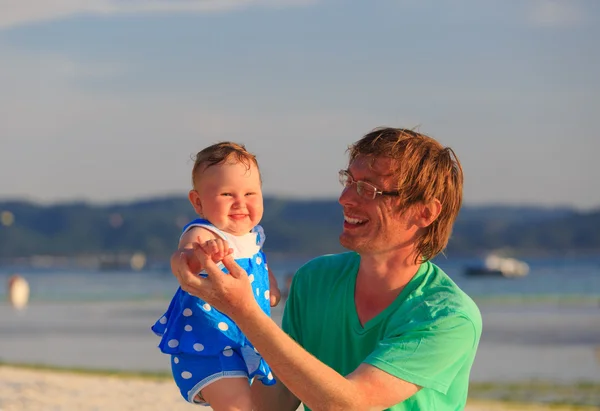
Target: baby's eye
[226, 194]
[251, 193]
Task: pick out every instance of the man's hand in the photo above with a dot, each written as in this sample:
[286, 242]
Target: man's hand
[184, 258]
[231, 294]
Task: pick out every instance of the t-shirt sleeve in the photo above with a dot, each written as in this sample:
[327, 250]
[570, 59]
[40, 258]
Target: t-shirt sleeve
[291, 315]
[429, 356]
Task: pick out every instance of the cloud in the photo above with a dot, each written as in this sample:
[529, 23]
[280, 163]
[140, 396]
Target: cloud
[18, 12]
[556, 13]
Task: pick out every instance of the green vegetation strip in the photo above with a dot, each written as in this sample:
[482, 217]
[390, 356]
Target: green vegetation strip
[90, 371]
[582, 394]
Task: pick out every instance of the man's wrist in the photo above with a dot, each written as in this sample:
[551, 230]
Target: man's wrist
[248, 313]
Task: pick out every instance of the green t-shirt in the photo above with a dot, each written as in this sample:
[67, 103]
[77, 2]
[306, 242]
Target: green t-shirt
[427, 336]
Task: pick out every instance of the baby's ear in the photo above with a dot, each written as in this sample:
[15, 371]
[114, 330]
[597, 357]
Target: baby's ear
[194, 198]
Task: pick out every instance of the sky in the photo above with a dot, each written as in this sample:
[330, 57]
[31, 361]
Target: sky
[108, 100]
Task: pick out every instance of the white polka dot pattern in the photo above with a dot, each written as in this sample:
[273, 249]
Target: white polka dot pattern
[173, 343]
[223, 326]
[198, 347]
[186, 375]
[187, 312]
[188, 328]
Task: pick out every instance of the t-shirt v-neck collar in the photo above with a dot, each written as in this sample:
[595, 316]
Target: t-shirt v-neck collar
[373, 322]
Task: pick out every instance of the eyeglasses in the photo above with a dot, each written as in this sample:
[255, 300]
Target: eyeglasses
[364, 189]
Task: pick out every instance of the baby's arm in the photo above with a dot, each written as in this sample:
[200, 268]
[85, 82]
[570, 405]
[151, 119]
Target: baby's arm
[190, 239]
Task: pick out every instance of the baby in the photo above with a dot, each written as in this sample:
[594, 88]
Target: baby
[211, 359]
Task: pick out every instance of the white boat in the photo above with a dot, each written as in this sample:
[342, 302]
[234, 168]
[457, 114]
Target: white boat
[502, 266]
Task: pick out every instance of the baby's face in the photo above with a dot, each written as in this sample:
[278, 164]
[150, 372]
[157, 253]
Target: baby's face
[231, 197]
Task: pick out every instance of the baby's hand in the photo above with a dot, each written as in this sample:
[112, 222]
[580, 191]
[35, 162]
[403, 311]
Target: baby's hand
[274, 292]
[217, 248]
[274, 295]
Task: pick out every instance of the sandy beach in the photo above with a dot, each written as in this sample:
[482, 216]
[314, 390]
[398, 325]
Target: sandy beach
[37, 390]
[43, 390]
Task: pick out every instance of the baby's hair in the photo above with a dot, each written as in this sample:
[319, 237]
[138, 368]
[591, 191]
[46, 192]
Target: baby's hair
[220, 153]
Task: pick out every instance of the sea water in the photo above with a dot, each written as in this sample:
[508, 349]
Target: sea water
[545, 326]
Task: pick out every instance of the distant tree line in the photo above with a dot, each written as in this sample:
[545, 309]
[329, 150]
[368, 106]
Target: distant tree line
[293, 227]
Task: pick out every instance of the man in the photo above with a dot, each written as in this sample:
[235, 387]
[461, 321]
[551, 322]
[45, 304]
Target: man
[377, 328]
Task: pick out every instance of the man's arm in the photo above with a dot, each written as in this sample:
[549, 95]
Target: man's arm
[273, 397]
[317, 385]
[314, 383]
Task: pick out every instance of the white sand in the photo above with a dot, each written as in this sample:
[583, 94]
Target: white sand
[41, 390]
[33, 390]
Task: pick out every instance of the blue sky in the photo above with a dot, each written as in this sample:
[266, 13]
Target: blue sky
[106, 100]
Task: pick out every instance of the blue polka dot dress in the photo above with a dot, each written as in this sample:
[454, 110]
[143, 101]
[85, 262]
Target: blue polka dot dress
[192, 326]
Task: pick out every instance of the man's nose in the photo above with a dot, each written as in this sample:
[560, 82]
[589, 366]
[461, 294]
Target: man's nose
[348, 195]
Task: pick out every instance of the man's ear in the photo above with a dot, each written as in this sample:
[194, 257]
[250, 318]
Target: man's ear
[428, 213]
[194, 198]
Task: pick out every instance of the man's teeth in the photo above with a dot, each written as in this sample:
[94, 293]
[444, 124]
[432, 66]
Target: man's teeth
[353, 220]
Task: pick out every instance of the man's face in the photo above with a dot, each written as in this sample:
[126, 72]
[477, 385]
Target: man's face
[373, 226]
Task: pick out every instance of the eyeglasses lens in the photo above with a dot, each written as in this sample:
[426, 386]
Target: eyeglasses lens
[366, 190]
[363, 189]
[344, 179]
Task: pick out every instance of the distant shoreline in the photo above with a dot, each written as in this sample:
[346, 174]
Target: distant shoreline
[296, 228]
[575, 300]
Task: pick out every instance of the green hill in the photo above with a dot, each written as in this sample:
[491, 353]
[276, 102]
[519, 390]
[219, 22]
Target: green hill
[293, 227]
